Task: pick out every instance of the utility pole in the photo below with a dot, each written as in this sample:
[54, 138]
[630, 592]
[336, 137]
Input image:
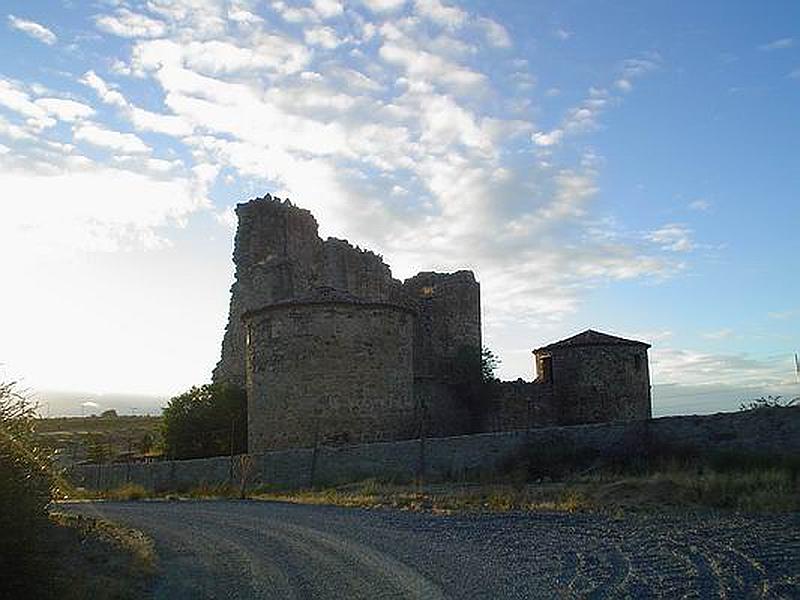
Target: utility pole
[231, 468]
[423, 406]
[128, 463]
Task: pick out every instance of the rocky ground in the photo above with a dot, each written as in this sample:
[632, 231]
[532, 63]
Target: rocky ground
[246, 549]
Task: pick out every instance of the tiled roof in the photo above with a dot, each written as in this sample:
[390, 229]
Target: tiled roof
[591, 338]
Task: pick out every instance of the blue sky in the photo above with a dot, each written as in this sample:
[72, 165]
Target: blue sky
[631, 167]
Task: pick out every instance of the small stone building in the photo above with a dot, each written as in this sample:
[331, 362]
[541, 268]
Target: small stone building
[596, 378]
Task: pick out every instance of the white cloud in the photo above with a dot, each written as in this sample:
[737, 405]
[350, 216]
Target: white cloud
[94, 208]
[690, 367]
[639, 66]
[562, 34]
[97, 135]
[382, 6]
[673, 237]
[719, 334]
[540, 138]
[431, 68]
[440, 13]
[141, 119]
[294, 14]
[779, 44]
[65, 110]
[496, 34]
[634, 68]
[268, 52]
[700, 205]
[124, 23]
[624, 85]
[328, 8]
[198, 18]
[228, 218]
[240, 15]
[322, 36]
[104, 91]
[33, 29]
[353, 79]
[14, 132]
[14, 97]
[146, 120]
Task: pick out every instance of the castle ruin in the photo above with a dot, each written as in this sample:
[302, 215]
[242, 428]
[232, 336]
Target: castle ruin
[332, 349]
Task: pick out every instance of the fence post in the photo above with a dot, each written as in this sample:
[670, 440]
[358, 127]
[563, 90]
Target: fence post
[422, 438]
[314, 454]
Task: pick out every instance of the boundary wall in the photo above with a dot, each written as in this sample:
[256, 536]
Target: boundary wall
[767, 431]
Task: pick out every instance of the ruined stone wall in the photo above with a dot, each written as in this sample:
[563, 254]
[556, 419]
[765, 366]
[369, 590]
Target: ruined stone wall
[598, 384]
[278, 256]
[441, 411]
[448, 319]
[336, 373]
[519, 405]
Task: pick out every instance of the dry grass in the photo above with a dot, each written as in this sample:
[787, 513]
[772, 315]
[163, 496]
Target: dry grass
[663, 478]
[763, 490]
[439, 497]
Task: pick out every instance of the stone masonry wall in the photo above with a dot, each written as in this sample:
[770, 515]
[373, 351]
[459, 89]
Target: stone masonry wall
[279, 255]
[597, 384]
[448, 319]
[767, 431]
[519, 405]
[334, 372]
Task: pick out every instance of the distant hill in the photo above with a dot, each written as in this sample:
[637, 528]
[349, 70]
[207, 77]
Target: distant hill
[57, 403]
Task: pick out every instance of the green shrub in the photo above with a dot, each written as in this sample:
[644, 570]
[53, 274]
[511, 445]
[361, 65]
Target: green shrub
[26, 491]
[210, 420]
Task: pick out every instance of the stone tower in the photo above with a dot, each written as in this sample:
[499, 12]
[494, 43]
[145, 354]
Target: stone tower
[449, 308]
[596, 378]
[331, 347]
[329, 367]
[279, 255]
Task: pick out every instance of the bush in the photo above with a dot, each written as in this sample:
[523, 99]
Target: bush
[210, 420]
[26, 491]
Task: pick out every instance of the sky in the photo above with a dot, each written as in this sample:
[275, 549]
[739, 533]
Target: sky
[623, 166]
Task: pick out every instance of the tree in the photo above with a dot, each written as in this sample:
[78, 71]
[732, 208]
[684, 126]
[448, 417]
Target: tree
[97, 450]
[26, 491]
[489, 364]
[210, 420]
[145, 443]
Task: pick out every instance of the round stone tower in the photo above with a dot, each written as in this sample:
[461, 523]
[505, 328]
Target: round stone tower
[329, 367]
[596, 378]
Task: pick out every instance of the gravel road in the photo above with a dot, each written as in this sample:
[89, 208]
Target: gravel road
[231, 549]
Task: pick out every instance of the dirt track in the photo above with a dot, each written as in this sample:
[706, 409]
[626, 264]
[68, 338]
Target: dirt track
[231, 549]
